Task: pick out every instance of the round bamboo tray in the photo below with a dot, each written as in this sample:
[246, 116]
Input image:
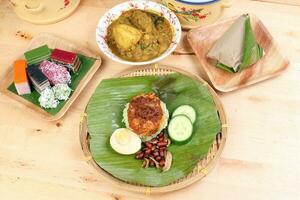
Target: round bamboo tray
[203, 167]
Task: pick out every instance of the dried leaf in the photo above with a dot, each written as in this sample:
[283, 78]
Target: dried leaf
[168, 162]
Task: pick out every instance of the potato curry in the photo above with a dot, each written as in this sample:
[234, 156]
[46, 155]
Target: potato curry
[139, 35]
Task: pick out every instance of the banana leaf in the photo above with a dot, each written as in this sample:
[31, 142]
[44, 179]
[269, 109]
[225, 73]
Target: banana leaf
[104, 115]
[252, 50]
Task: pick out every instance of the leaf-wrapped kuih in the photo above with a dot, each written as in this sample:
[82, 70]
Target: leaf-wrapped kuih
[237, 49]
[104, 116]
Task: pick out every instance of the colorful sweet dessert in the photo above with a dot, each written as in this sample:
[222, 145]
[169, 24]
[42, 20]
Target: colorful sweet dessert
[37, 55]
[66, 58]
[38, 79]
[47, 99]
[61, 91]
[50, 96]
[55, 73]
[20, 77]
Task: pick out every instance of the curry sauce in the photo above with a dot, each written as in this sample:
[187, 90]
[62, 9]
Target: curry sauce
[139, 35]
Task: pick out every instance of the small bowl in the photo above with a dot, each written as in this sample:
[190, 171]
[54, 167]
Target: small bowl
[115, 12]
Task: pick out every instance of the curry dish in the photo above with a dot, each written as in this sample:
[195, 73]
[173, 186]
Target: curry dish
[139, 35]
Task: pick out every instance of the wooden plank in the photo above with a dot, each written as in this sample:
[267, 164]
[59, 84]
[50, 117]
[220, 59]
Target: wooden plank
[42, 160]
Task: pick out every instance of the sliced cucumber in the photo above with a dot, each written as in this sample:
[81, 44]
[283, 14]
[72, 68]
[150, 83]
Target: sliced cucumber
[186, 110]
[180, 129]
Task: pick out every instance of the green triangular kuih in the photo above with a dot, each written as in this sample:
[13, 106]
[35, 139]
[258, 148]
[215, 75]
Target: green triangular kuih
[237, 49]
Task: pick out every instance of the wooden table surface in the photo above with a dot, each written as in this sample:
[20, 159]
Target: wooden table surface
[261, 160]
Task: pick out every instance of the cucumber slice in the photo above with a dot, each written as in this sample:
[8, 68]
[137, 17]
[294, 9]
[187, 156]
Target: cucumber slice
[186, 110]
[180, 129]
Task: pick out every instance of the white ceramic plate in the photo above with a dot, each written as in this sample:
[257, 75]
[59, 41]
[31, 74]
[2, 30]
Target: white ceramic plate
[115, 12]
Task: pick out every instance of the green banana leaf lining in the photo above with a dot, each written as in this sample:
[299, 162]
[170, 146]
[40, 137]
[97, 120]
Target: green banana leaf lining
[104, 115]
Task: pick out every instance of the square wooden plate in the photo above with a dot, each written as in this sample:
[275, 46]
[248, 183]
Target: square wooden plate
[271, 64]
[52, 42]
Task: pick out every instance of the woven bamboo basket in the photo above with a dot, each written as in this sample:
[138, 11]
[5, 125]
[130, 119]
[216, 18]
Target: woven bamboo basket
[203, 167]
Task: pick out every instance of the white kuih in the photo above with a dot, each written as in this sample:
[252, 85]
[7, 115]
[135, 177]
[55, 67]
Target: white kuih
[61, 91]
[47, 99]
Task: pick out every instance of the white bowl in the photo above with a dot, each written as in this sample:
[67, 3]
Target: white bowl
[115, 12]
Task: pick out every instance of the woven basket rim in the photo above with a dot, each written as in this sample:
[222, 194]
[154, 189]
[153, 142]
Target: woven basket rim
[181, 183]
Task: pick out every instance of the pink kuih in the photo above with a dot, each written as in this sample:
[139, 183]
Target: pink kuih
[55, 73]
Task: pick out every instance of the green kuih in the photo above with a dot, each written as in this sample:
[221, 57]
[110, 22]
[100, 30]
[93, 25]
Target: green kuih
[237, 49]
[37, 55]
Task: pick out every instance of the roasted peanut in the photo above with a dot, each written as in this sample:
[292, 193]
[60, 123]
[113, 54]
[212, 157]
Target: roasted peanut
[148, 151]
[139, 155]
[162, 144]
[162, 153]
[148, 144]
[156, 153]
[162, 163]
[158, 158]
[163, 148]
